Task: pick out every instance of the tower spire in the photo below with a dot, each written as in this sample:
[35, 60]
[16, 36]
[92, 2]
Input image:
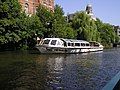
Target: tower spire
[89, 11]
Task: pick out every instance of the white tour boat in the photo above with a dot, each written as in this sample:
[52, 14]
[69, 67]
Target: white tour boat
[60, 45]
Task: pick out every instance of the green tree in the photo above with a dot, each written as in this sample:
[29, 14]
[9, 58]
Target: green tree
[46, 18]
[85, 27]
[107, 33]
[61, 28]
[9, 9]
[9, 13]
[16, 28]
[28, 28]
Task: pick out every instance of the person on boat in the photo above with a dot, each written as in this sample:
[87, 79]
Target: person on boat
[41, 41]
[38, 40]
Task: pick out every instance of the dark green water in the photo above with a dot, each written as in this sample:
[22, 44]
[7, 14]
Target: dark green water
[32, 71]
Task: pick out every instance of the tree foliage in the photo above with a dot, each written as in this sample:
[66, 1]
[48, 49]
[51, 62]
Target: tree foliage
[85, 27]
[46, 18]
[60, 25]
[9, 13]
[18, 30]
[107, 33]
[54, 23]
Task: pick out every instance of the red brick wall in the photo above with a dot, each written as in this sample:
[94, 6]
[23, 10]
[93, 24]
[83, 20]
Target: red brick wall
[33, 4]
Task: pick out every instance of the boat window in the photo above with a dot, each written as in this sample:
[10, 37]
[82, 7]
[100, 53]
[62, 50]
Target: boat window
[77, 44]
[96, 44]
[53, 42]
[87, 44]
[65, 44]
[58, 43]
[92, 43]
[70, 44]
[46, 41]
[82, 44]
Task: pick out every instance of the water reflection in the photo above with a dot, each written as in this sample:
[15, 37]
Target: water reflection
[72, 72]
[55, 68]
[86, 71]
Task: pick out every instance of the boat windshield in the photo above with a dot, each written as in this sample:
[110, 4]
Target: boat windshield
[94, 44]
[53, 42]
[46, 41]
[70, 44]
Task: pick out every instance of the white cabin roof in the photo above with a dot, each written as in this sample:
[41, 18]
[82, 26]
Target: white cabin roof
[75, 41]
[52, 38]
[68, 40]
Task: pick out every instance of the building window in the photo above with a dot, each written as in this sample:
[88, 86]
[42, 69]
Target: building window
[38, 1]
[34, 9]
[26, 8]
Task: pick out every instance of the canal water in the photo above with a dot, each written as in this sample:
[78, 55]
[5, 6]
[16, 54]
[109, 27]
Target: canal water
[32, 71]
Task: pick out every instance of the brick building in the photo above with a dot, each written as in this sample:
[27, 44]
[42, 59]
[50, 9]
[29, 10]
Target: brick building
[29, 6]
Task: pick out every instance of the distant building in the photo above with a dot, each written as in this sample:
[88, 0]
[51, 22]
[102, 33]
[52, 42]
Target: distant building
[117, 30]
[30, 6]
[89, 11]
[70, 17]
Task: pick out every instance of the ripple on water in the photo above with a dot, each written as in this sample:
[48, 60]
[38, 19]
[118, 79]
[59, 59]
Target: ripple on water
[89, 71]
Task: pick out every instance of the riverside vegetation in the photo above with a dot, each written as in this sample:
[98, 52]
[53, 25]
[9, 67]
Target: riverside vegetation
[19, 31]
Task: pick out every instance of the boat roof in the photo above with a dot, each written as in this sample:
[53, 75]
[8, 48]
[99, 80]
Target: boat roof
[75, 41]
[68, 40]
[52, 38]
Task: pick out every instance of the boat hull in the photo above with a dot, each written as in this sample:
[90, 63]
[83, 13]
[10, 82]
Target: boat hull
[44, 49]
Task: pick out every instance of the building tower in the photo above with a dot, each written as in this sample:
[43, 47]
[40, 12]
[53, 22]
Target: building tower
[29, 6]
[89, 11]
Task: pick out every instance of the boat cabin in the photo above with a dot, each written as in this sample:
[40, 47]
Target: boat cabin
[53, 42]
[60, 45]
[94, 44]
[76, 43]
[59, 42]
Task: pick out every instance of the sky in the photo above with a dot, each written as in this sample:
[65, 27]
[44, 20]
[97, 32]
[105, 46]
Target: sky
[107, 11]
